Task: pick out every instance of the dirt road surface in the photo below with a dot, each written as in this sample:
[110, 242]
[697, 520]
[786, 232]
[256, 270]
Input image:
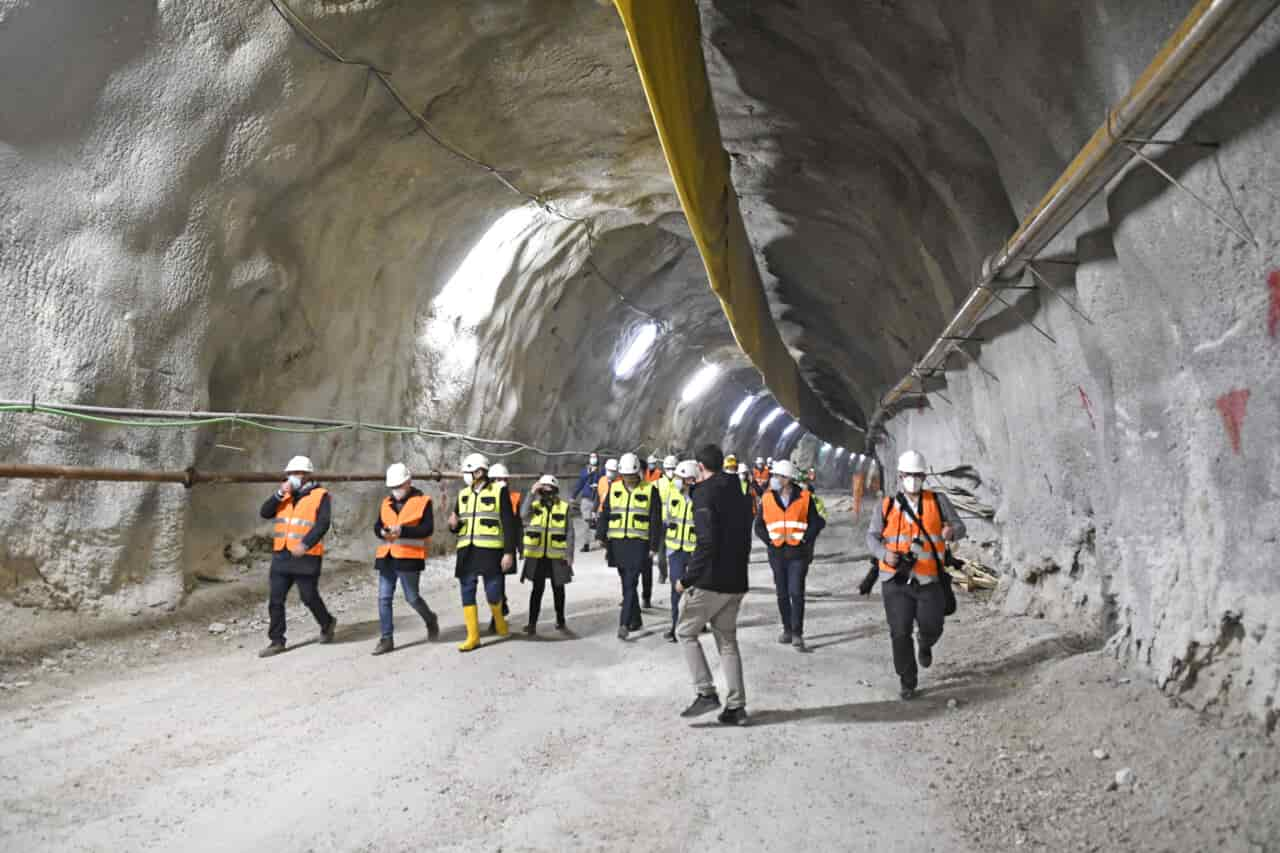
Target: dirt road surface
[185, 740]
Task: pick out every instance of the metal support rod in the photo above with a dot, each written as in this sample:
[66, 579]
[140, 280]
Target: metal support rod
[191, 477]
[1211, 32]
[1036, 274]
[996, 293]
[974, 361]
[1155, 167]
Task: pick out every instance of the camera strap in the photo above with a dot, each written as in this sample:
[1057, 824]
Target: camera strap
[906, 507]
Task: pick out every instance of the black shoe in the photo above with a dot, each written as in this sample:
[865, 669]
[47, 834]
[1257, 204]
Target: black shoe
[386, 644]
[531, 629]
[561, 626]
[797, 643]
[586, 548]
[271, 650]
[433, 625]
[907, 693]
[326, 634]
[635, 626]
[647, 604]
[925, 657]
[622, 632]
[669, 636]
[733, 717]
[702, 705]
[785, 638]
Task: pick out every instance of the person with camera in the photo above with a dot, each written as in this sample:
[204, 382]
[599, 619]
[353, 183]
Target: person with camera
[548, 549]
[908, 535]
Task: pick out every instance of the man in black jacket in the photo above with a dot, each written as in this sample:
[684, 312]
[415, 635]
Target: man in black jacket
[301, 510]
[714, 584]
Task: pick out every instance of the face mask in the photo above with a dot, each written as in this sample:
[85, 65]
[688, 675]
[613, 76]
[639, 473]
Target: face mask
[502, 484]
[775, 483]
[593, 461]
[468, 479]
[295, 482]
[670, 475]
[399, 494]
[912, 484]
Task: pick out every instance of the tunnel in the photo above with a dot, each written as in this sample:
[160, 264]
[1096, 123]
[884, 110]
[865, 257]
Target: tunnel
[1034, 241]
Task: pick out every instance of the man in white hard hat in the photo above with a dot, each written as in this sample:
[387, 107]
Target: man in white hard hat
[587, 498]
[760, 476]
[302, 512]
[548, 549]
[788, 525]
[602, 487]
[404, 526]
[486, 527]
[909, 533]
[677, 518]
[632, 530]
[665, 485]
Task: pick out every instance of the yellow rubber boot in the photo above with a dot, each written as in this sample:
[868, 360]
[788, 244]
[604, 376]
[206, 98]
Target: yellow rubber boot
[499, 621]
[470, 615]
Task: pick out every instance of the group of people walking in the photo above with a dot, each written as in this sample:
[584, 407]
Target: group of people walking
[693, 518]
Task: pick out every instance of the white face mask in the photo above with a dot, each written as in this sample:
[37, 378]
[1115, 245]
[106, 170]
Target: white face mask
[502, 484]
[670, 473]
[913, 483]
[400, 493]
[775, 483]
[295, 482]
[468, 479]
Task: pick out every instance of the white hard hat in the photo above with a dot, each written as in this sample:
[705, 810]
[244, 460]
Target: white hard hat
[770, 460]
[784, 468]
[629, 464]
[498, 472]
[653, 459]
[670, 462]
[742, 470]
[759, 461]
[911, 462]
[299, 463]
[611, 465]
[398, 474]
[474, 462]
[687, 469]
[548, 480]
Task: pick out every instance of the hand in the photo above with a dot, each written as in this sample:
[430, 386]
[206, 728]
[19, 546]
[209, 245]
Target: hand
[680, 587]
[507, 562]
[453, 519]
[296, 549]
[891, 557]
[393, 532]
[948, 533]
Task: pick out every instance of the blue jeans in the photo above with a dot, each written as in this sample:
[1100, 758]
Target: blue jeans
[788, 583]
[676, 561]
[387, 590]
[495, 588]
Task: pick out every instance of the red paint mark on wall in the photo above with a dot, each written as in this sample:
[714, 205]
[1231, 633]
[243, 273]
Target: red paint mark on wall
[1232, 406]
[1088, 407]
[1273, 313]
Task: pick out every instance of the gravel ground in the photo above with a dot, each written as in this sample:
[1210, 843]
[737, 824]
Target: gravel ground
[176, 736]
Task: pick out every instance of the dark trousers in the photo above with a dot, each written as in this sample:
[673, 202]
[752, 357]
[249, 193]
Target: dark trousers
[905, 604]
[630, 571]
[541, 575]
[646, 580]
[788, 582]
[308, 591]
[387, 579]
[676, 561]
[495, 587]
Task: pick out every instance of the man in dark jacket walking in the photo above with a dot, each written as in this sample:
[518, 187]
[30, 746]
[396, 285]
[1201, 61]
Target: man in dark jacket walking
[714, 584]
[301, 511]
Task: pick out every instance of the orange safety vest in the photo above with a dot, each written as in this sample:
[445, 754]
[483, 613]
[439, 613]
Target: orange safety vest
[786, 526]
[602, 489]
[899, 532]
[414, 510]
[295, 520]
[653, 475]
[515, 502]
[761, 476]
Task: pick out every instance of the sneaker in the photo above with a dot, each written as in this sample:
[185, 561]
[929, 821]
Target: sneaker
[562, 626]
[531, 629]
[326, 634]
[797, 643]
[433, 626]
[386, 644]
[785, 638]
[733, 717]
[925, 657]
[271, 650]
[703, 704]
[622, 632]
[669, 636]
[907, 693]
